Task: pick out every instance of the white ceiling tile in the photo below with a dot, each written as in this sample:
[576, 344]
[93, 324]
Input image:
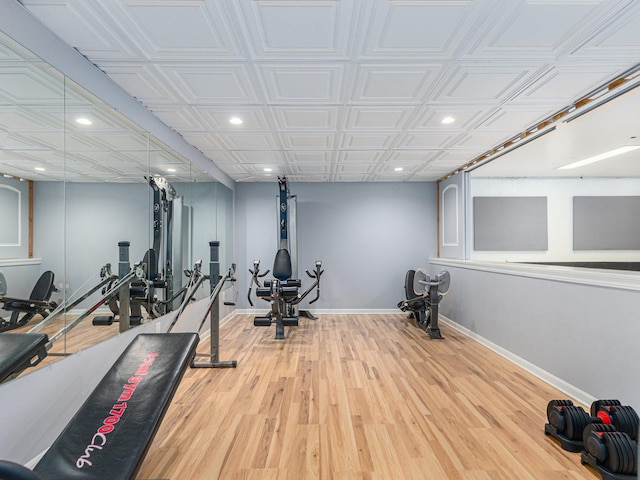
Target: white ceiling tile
[142, 81]
[260, 158]
[431, 117]
[304, 118]
[396, 83]
[377, 118]
[412, 157]
[22, 85]
[354, 156]
[349, 177]
[309, 157]
[206, 84]
[367, 140]
[355, 168]
[483, 84]
[247, 141]
[309, 141]
[314, 28]
[303, 169]
[217, 118]
[414, 28]
[175, 25]
[616, 37]
[540, 26]
[425, 140]
[303, 83]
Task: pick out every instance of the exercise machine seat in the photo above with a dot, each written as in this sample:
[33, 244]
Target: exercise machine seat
[42, 291]
[19, 351]
[111, 433]
[282, 265]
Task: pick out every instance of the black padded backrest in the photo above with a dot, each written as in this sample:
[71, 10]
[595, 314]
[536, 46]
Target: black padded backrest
[43, 288]
[409, 292]
[110, 434]
[282, 265]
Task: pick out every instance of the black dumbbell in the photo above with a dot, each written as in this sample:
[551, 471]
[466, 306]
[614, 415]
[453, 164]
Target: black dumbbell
[615, 451]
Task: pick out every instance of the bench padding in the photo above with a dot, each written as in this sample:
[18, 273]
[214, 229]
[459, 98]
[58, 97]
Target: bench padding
[110, 434]
[17, 350]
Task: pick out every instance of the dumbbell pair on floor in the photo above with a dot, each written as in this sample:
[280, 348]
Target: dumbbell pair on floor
[606, 437]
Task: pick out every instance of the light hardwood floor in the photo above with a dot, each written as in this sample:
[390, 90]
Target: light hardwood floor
[358, 397]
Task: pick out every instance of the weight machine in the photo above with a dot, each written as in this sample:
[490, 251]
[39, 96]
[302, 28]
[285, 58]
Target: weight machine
[283, 290]
[423, 295]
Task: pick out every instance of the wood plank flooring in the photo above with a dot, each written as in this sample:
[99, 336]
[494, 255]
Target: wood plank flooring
[361, 397]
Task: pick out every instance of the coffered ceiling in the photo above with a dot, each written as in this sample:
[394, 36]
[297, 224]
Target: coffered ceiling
[350, 90]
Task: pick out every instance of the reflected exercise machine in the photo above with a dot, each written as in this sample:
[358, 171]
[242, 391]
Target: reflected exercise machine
[23, 310]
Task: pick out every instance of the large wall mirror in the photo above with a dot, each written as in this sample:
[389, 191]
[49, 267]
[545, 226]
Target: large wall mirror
[578, 191]
[79, 182]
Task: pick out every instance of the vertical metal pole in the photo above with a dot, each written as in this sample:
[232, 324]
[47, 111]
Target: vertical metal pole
[214, 276]
[124, 296]
[168, 257]
[214, 315]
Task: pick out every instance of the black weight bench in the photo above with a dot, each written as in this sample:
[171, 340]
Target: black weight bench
[111, 433]
[19, 351]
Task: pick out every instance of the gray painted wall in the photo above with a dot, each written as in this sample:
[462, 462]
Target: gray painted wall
[583, 334]
[77, 227]
[366, 235]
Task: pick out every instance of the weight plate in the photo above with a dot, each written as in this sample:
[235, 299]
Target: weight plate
[614, 456]
[576, 419]
[595, 427]
[626, 420]
[558, 403]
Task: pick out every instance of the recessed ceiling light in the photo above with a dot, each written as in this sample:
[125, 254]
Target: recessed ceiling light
[447, 120]
[235, 121]
[398, 169]
[39, 169]
[171, 170]
[602, 156]
[83, 121]
[267, 169]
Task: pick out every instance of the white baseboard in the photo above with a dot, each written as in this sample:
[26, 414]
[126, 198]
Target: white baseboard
[565, 387]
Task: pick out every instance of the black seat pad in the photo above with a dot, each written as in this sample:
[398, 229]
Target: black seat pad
[17, 350]
[123, 413]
